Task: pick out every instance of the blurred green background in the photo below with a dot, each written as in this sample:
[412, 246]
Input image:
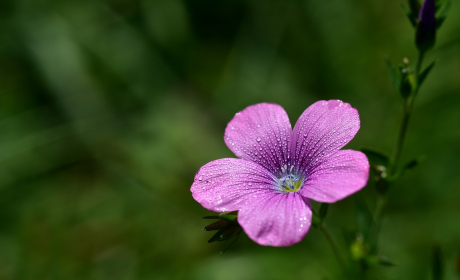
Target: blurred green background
[109, 107]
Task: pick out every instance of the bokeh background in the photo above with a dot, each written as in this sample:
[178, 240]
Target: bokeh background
[108, 109]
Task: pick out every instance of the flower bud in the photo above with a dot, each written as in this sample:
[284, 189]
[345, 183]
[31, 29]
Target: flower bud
[425, 36]
[407, 83]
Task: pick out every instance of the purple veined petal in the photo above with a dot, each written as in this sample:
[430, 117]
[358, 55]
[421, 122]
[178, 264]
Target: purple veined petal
[339, 176]
[226, 184]
[276, 219]
[261, 133]
[427, 13]
[322, 129]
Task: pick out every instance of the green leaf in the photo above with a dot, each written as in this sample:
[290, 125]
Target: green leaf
[438, 4]
[323, 211]
[425, 73]
[376, 157]
[409, 14]
[446, 8]
[395, 79]
[443, 14]
[437, 263]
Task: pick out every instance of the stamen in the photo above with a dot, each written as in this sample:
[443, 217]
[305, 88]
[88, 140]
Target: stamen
[289, 182]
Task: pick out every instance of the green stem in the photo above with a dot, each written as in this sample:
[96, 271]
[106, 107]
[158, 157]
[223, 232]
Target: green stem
[402, 134]
[408, 104]
[418, 66]
[327, 234]
[378, 214]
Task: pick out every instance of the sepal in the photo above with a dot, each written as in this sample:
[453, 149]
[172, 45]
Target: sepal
[227, 228]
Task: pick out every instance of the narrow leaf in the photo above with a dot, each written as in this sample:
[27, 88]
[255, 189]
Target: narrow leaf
[395, 79]
[412, 18]
[439, 3]
[443, 14]
[376, 157]
[425, 73]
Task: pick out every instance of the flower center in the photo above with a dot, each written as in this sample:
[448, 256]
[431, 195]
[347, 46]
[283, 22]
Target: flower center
[289, 182]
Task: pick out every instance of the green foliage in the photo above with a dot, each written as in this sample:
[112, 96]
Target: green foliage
[411, 16]
[443, 8]
[109, 108]
[394, 75]
[425, 72]
[376, 158]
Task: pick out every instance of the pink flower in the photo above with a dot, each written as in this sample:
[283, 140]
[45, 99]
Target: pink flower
[280, 169]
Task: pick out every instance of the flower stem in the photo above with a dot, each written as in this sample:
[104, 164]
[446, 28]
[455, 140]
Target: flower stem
[408, 104]
[382, 196]
[378, 215]
[402, 134]
[327, 234]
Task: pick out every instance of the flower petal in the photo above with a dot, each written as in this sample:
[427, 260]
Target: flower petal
[322, 129]
[225, 184]
[276, 219]
[260, 133]
[339, 176]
